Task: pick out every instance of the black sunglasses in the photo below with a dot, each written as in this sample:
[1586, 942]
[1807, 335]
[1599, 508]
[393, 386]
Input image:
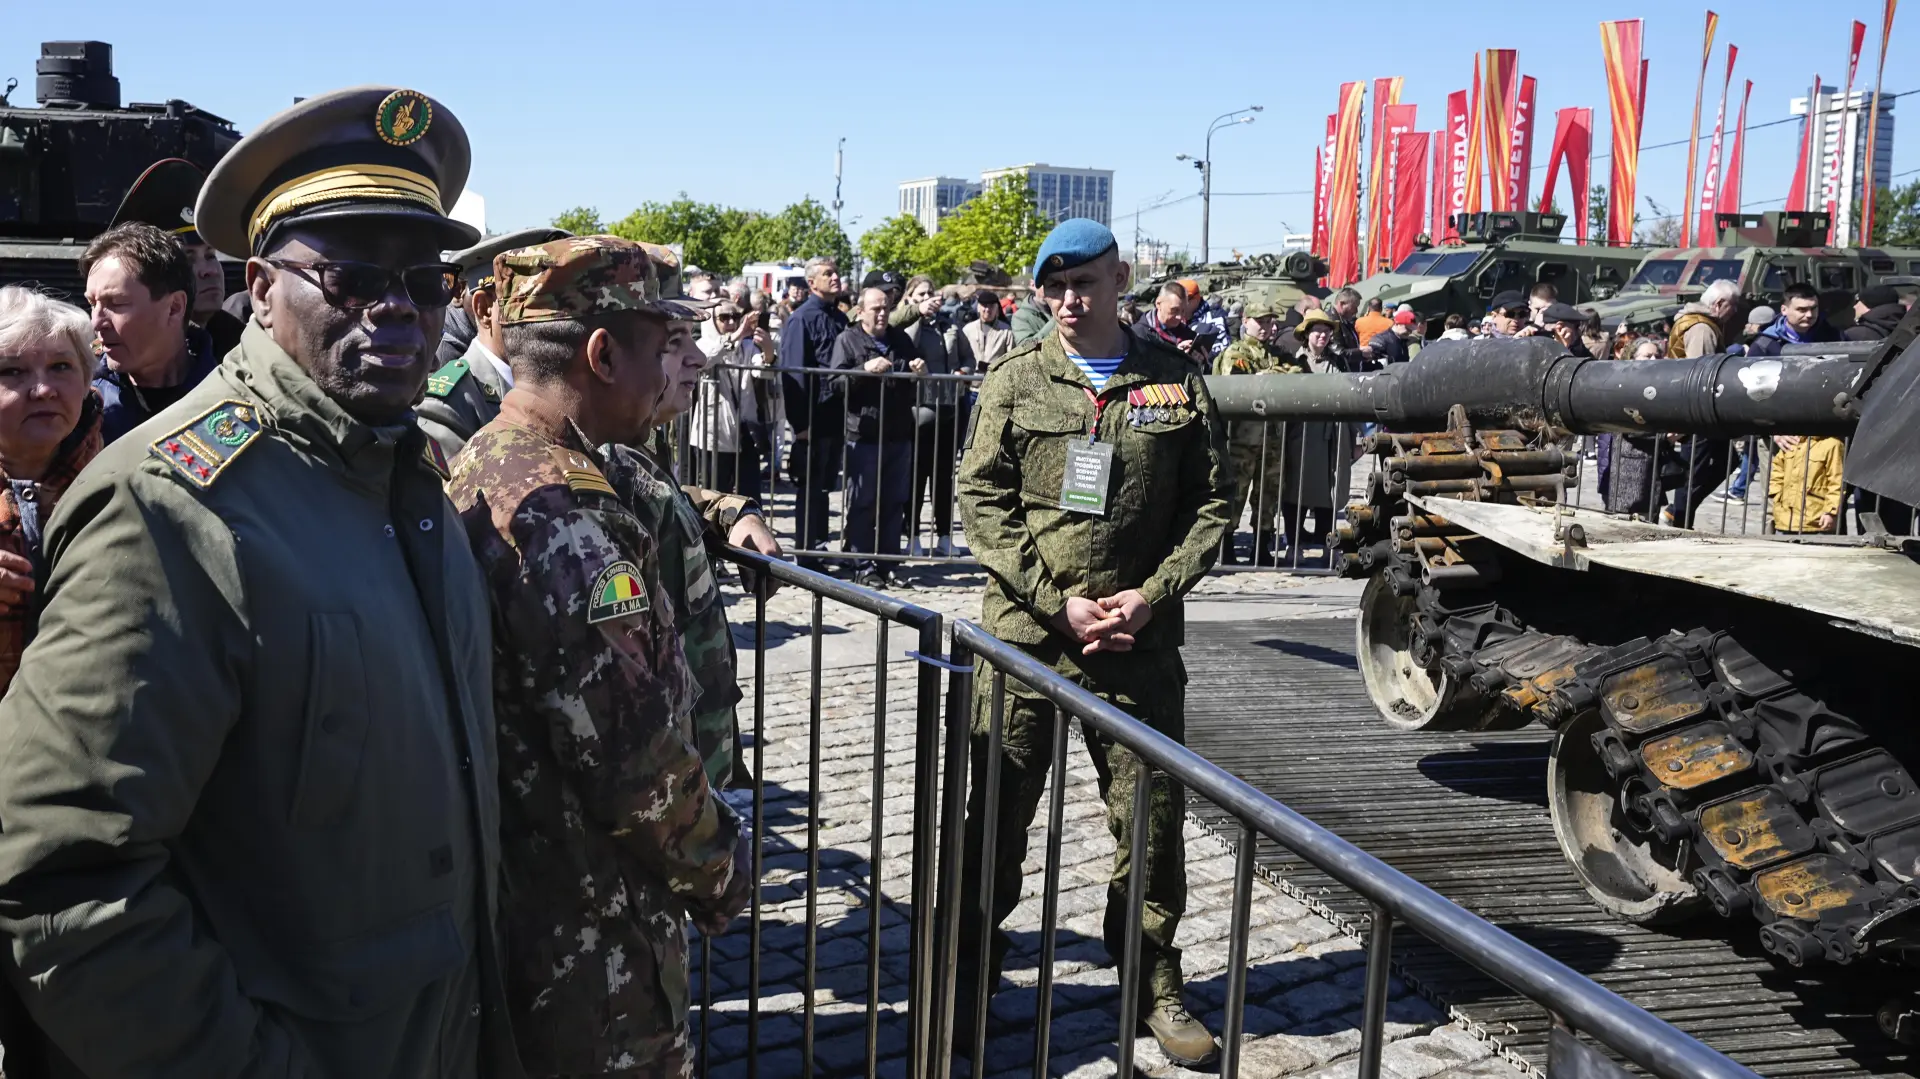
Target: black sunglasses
[358, 285]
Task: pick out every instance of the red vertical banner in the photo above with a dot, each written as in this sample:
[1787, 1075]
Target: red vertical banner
[1398, 120]
[1476, 133]
[1873, 128]
[1626, 83]
[1499, 89]
[1409, 192]
[1706, 235]
[1343, 193]
[1520, 166]
[1693, 132]
[1386, 94]
[1459, 132]
[1797, 194]
[1573, 143]
[1437, 215]
[1835, 194]
[1730, 187]
[1322, 181]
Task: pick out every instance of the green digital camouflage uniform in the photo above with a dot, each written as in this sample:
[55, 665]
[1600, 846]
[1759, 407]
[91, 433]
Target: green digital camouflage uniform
[684, 520]
[1161, 533]
[610, 833]
[1256, 447]
[461, 397]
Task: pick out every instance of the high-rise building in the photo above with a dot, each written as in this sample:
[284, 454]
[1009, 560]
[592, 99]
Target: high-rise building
[1061, 193]
[1840, 154]
[933, 198]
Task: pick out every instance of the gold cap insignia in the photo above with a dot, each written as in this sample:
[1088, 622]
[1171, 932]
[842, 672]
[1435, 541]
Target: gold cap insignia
[403, 117]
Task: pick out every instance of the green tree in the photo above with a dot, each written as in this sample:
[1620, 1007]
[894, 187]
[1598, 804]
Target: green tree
[698, 227]
[1597, 213]
[895, 244]
[581, 221]
[1896, 216]
[1002, 225]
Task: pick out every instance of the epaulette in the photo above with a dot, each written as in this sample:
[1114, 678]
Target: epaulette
[442, 382]
[203, 448]
[581, 473]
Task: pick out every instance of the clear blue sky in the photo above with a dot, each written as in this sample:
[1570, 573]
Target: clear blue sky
[610, 104]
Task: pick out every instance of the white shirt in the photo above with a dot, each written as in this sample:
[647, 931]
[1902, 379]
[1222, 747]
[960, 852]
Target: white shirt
[499, 365]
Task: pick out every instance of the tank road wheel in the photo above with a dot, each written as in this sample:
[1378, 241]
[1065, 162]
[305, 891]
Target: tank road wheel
[1409, 697]
[1618, 864]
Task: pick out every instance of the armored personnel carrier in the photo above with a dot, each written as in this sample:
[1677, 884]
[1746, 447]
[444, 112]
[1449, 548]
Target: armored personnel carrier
[1732, 727]
[66, 165]
[1283, 279]
[1763, 254]
[1497, 252]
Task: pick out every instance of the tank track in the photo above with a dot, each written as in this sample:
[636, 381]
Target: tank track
[1770, 803]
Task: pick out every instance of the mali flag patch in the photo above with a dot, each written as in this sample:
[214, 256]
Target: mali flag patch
[617, 593]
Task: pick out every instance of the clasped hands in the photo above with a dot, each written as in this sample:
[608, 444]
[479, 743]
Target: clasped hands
[1108, 624]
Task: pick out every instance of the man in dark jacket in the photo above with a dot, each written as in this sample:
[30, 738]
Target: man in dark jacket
[879, 433]
[1166, 324]
[1394, 345]
[1876, 311]
[1800, 322]
[806, 342]
[140, 289]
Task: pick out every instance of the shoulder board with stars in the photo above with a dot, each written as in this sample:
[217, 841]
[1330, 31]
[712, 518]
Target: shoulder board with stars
[581, 473]
[442, 382]
[203, 449]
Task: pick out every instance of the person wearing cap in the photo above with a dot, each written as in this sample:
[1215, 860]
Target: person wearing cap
[684, 519]
[465, 392]
[1394, 344]
[163, 197]
[1565, 323]
[1876, 311]
[1094, 488]
[1506, 315]
[1758, 320]
[611, 834]
[248, 800]
[981, 342]
[1255, 445]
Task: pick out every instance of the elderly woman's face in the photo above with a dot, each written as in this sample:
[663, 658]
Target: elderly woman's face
[42, 386]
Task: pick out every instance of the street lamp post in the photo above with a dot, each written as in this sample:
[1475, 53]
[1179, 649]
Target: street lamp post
[1205, 165]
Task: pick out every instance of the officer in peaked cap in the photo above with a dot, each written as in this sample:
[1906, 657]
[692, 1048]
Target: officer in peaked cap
[163, 197]
[251, 820]
[464, 392]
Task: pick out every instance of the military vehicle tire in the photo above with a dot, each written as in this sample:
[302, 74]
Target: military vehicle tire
[1409, 697]
[1615, 862]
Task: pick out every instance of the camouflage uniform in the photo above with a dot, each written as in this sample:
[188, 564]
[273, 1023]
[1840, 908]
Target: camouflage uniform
[685, 519]
[1165, 517]
[610, 832]
[1256, 448]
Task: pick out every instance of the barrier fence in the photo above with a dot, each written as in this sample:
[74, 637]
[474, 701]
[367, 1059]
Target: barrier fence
[1577, 1005]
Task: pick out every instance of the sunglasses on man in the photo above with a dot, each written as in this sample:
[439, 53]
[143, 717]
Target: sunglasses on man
[355, 286]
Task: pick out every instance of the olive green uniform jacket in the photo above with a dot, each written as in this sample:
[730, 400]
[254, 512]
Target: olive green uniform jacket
[461, 398]
[248, 813]
[1167, 493]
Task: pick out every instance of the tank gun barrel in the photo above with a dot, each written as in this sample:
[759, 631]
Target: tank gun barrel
[1533, 382]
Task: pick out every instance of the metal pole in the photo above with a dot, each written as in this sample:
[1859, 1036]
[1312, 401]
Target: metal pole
[1206, 195]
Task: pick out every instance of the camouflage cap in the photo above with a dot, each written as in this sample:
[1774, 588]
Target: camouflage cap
[579, 277]
[673, 282]
[1260, 307]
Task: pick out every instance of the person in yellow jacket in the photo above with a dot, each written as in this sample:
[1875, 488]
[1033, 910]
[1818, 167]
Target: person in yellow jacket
[1804, 486]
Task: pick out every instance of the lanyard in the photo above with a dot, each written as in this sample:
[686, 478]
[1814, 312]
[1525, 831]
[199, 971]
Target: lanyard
[1099, 406]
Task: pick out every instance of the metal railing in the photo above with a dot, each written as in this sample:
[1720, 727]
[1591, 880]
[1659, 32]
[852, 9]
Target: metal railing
[760, 574]
[942, 743]
[1575, 1002]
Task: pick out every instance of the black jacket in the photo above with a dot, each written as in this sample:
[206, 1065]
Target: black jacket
[1389, 347]
[878, 407]
[806, 341]
[1877, 324]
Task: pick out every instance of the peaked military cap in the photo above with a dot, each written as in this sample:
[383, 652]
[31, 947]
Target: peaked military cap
[1073, 242]
[366, 152]
[163, 197]
[476, 262]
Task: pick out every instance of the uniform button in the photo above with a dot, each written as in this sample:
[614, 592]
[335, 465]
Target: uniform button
[466, 762]
[389, 531]
[474, 1011]
[28, 495]
[426, 524]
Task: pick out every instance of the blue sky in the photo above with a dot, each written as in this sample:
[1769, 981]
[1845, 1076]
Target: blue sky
[610, 104]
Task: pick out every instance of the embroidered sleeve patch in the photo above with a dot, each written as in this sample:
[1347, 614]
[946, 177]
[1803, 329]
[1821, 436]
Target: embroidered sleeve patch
[201, 450]
[617, 593]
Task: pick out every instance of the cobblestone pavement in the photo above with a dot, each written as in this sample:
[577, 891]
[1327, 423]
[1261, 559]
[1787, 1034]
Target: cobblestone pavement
[1304, 982]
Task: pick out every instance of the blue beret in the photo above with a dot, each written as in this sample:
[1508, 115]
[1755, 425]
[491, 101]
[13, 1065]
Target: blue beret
[1072, 242]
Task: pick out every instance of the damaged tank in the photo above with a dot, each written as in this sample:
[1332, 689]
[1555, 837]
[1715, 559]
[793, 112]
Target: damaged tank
[1731, 723]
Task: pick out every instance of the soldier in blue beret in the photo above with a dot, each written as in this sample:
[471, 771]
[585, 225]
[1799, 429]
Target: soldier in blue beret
[1095, 490]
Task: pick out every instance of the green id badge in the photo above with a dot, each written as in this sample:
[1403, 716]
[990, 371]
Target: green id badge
[1083, 486]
